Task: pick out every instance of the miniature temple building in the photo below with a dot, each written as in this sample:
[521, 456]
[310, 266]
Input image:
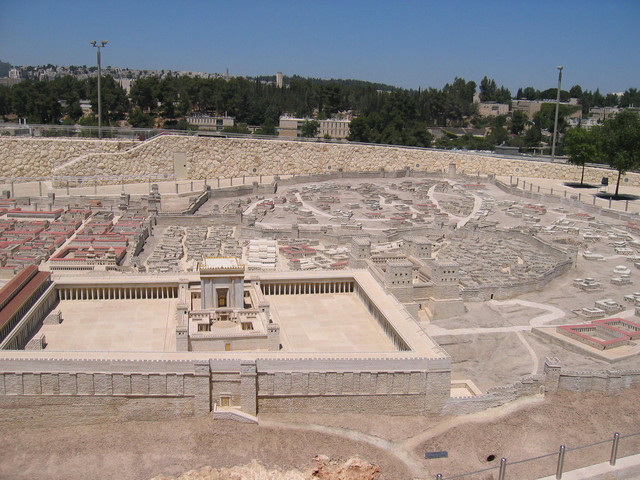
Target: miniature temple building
[221, 313]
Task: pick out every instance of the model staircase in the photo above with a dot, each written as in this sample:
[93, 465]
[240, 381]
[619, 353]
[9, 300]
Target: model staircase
[233, 413]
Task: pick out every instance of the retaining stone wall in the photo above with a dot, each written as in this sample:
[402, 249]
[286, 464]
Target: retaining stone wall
[610, 382]
[378, 404]
[53, 410]
[494, 397]
[226, 157]
[38, 157]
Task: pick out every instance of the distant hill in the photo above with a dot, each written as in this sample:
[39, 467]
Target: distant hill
[4, 69]
[320, 81]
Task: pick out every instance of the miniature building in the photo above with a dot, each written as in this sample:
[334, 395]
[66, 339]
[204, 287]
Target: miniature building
[603, 334]
[222, 283]
[221, 315]
[17, 298]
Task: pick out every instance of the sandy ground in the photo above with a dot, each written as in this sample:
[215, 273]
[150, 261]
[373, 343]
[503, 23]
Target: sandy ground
[141, 450]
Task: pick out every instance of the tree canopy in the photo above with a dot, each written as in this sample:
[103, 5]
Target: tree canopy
[383, 113]
[620, 142]
[581, 146]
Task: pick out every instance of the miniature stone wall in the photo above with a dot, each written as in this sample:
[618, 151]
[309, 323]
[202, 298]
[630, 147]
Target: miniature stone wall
[224, 157]
[53, 410]
[494, 397]
[160, 383]
[609, 382]
[161, 389]
[38, 157]
[502, 292]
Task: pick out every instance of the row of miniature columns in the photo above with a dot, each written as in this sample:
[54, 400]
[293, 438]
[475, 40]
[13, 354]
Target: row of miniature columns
[306, 288]
[116, 293]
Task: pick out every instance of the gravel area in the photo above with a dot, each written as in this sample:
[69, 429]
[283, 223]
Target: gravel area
[142, 450]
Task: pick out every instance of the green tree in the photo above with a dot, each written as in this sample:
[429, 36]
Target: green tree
[488, 89]
[533, 137]
[575, 92]
[237, 128]
[359, 130]
[268, 127]
[115, 103]
[518, 122]
[309, 128]
[138, 119]
[581, 146]
[629, 98]
[620, 142]
[5, 100]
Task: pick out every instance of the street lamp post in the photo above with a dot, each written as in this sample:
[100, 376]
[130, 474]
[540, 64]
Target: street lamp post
[102, 44]
[555, 124]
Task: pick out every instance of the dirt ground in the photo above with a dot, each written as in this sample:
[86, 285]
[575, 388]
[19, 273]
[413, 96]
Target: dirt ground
[142, 450]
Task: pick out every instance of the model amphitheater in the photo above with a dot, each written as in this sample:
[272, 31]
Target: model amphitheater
[236, 278]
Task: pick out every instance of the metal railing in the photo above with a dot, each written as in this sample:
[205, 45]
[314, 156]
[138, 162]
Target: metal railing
[77, 131]
[505, 466]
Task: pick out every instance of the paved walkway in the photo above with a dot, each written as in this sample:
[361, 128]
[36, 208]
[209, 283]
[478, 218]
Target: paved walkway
[538, 321]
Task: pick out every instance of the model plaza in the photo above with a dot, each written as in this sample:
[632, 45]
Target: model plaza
[325, 315]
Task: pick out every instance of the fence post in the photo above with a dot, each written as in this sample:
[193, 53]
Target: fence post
[40, 189]
[626, 206]
[614, 449]
[503, 468]
[579, 197]
[560, 462]
[609, 203]
[552, 191]
[67, 187]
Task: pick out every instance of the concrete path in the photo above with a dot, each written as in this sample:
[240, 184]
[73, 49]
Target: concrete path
[477, 203]
[253, 205]
[532, 353]
[461, 221]
[538, 321]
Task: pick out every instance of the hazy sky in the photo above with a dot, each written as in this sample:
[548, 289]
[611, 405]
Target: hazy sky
[404, 43]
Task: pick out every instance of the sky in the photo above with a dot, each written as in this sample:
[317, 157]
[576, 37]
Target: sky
[405, 43]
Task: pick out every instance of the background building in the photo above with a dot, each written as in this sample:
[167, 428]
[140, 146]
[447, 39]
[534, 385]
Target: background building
[333, 127]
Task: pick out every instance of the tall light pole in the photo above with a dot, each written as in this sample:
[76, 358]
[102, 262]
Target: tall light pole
[555, 124]
[102, 44]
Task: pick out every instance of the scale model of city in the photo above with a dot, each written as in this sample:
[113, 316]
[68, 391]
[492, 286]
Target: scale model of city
[234, 277]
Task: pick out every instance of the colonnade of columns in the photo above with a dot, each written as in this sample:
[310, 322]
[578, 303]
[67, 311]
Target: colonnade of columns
[117, 293]
[25, 332]
[382, 320]
[307, 288]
